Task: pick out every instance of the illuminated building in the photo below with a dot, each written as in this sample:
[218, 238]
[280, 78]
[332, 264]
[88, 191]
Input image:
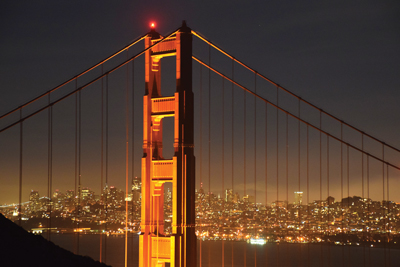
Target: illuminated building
[298, 198]
[34, 201]
[248, 199]
[178, 248]
[228, 195]
[136, 190]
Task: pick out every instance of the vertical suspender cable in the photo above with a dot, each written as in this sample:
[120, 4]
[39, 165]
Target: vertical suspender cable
[232, 145]
[255, 167]
[369, 210]
[308, 201]
[101, 156]
[133, 212]
[266, 173]
[48, 169]
[287, 181]
[244, 144]
[363, 196]
[383, 198]
[76, 167]
[348, 197]
[79, 158]
[341, 187]
[201, 162]
[107, 188]
[244, 161]
[223, 164]
[299, 209]
[126, 159]
[328, 198]
[21, 131]
[277, 168]
[49, 165]
[388, 212]
[209, 142]
[320, 179]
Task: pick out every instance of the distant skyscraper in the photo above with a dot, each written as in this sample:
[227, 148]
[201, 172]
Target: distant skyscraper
[298, 198]
[228, 195]
[136, 189]
[34, 200]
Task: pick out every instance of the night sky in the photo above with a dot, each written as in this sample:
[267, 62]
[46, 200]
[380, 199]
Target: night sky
[343, 56]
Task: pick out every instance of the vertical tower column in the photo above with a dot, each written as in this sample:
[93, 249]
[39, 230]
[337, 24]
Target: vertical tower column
[155, 247]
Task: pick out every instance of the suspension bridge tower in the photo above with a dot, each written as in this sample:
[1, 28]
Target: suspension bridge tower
[155, 247]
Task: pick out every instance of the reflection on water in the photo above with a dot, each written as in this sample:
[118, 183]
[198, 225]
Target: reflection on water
[238, 253]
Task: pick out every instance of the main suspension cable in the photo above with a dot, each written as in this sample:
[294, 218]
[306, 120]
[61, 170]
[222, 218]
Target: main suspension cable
[296, 117]
[75, 77]
[85, 85]
[289, 92]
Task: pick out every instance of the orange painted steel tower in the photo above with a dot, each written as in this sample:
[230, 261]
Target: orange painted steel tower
[155, 247]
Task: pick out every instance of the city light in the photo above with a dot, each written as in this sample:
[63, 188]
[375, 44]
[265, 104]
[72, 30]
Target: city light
[229, 217]
[258, 241]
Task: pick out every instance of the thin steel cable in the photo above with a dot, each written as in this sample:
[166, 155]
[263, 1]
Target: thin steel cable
[296, 117]
[21, 133]
[308, 200]
[126, 160]
[287, 181]
[320, 180]
[341, 188]
[388, 212]
[201, 161]
[85, 85]
[76, 165]
[348, 197]
[223, 163]
[327, 204]
[266, 169]
[383, 199]
[266, 154]
[75, 77]
[106, 159]
[244, 146]
[49, 167]
[48, 170]
[363, 212]
[299, 172]
[209, 141]
[79, 159]
[277, 167]
[209, 129]
[255, 164]
[134, 209]
[287, 91]
[232, 145]
[369, 210]
[101, 157]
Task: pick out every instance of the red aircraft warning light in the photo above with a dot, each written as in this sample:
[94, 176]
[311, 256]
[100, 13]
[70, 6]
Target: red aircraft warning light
[152, 25]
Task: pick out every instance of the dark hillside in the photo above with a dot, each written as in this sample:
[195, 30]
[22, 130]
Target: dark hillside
[20, 248]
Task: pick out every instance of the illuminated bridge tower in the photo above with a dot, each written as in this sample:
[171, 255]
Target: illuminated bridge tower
[178, 248]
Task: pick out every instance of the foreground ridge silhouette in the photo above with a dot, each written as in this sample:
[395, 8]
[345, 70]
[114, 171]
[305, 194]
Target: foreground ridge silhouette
[20, 248]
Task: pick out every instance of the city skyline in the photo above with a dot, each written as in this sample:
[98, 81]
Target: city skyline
[334, 61]
[296, 197]
[350, 221]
